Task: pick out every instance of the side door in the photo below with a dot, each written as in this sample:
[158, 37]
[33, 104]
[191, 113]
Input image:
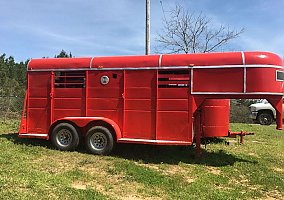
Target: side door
[173, 117]
[38, 103]
[140, 104]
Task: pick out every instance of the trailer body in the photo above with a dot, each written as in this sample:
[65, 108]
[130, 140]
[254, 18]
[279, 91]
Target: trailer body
[156, 99]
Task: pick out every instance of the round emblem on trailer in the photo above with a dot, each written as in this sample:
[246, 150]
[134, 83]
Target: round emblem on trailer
[104, 80]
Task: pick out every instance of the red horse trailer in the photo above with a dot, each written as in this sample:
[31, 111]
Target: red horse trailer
[156, 99]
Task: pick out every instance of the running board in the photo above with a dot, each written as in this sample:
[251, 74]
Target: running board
[40, 136]
[157, 142]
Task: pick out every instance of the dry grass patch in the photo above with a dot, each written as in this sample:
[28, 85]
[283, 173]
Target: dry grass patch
[150, 166]
[115, 186]
[254, 155]
[171, 170]
[79, 185]
[97, 168]
[274, 195]
[213, 170]
[277, 169]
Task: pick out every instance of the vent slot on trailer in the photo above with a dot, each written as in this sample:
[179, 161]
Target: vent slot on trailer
[70, 79]
[173, 78]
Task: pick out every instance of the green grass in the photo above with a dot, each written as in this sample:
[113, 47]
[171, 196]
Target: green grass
[32, 169]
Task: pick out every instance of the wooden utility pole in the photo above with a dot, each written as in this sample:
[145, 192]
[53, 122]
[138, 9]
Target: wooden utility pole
[147, 52]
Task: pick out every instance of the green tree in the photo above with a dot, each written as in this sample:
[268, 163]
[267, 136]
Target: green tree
[12, 86]
[63, 54]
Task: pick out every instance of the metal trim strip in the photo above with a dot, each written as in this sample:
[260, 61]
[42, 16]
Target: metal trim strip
[28, 64]
[238, 66]
[91, 62]
[237, 93]
[87, 118]
[155, 68]
[160, 60]
[34, 135]
[245, 72]
[153, 141]
[191, 80]
[243, 58]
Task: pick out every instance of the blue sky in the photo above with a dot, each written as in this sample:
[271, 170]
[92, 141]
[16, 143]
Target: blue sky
[37, 28]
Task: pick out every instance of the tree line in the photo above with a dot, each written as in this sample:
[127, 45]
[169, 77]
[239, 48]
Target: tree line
[13, 84]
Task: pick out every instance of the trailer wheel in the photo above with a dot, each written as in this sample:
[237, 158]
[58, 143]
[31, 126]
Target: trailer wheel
[99, 140]
[265, 118]
[65, 137]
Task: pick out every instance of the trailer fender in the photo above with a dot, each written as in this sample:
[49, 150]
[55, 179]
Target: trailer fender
[84, 121]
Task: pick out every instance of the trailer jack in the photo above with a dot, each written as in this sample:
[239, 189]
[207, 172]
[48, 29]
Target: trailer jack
[242, 134]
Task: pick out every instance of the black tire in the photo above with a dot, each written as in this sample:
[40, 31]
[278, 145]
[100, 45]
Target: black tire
[265, 118]
[99, 140]
[65, 137]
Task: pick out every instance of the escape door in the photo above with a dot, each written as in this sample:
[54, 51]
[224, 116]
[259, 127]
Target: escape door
[140, 104]
[38, 102]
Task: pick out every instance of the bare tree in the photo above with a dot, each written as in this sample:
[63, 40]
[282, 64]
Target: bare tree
[187, 32]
